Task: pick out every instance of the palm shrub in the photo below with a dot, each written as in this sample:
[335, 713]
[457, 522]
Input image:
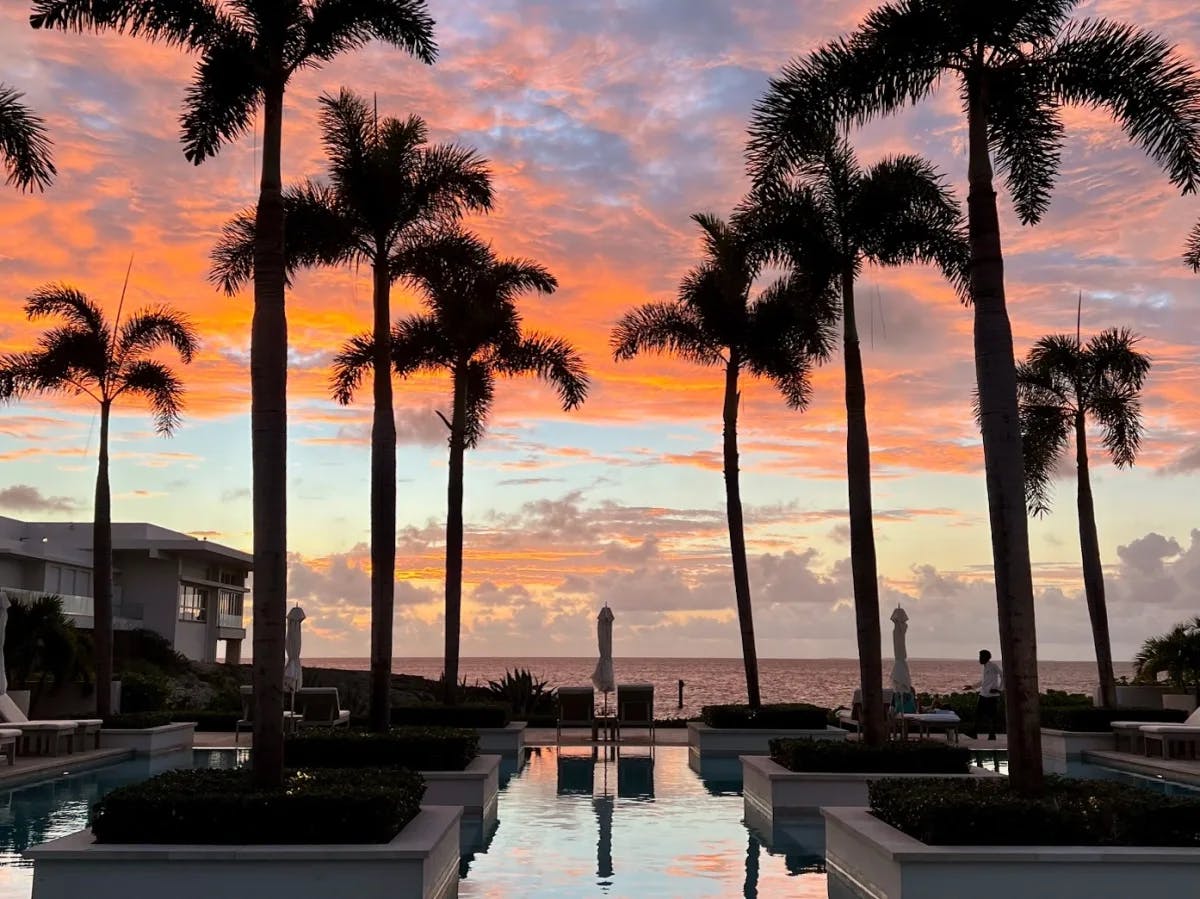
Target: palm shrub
[1175, 654]
[1062, 385]
[107, 362]
[24, 146]
[385, 184]
[249, 50]
[40, 641]
[828, 218]
[718, 321]
[1017, 64]
[471, 329]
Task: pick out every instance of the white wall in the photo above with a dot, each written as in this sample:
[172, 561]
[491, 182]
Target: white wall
[155, 584]
[191, 639]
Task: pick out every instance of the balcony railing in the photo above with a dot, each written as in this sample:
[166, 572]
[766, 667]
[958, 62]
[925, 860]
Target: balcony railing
[225, 619]
[71, 604]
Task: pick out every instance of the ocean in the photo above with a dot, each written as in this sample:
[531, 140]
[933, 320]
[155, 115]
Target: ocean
[827, 682]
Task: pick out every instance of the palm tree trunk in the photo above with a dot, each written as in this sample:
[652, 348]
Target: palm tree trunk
[102, 575]
[383, 503]
[995, 372]
[454, 532]
[737, 535]
[268, 431]
[862, 531]
[1093, 573]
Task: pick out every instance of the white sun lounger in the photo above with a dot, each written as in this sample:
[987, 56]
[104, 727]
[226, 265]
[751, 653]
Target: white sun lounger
[1182, 737]
[51, 736]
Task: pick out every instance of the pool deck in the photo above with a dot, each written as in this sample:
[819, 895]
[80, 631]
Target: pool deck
[29, 769]
[1176, 770]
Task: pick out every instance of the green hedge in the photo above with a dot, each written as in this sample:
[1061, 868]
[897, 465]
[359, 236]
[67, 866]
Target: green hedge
[224, 807]
[207, 720]
[1090, 718]
[144, 692]
[138, 720]
[776, 716]
[985, 811]
[417, 748]
[467, 714]
[897, 757]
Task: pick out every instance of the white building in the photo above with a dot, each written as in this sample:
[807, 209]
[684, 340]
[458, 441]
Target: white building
[190, 590]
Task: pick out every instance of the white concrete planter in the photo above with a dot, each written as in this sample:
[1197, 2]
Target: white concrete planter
[150, 740]
[770, 790]
[731, 742]
[1143, 696]
[509, 740]
[1064, 748]
[866, 857]
[421, 861]
[474, 789]
[1185, 702]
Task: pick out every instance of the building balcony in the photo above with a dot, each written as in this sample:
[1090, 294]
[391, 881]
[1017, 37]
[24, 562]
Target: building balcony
[126, 615]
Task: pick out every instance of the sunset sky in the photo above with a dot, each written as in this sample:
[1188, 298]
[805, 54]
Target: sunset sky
[607, 123]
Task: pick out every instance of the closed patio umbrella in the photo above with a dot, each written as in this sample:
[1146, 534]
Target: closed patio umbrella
[603, 678]
[293, 675]
[3, 625]
[901, 678]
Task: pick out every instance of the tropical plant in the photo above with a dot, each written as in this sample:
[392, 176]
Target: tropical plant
[780, 334]
[828, 218]
[40, 641]
[1191, 254]
[471, 329]
[249, 51]
[520, 690]
[1061, 385]
[24, 146]
[386, 182]
[1175, 654]
[1017, 64]
[86, 354]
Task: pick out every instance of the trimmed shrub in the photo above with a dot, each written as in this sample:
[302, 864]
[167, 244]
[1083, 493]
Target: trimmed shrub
[207, 720]
[224, 807]
[467, 714]
[985, 811]
[1090, 718]
[417, 748]
[138, 720]
[897, 757]
[775, 716]
[144, 692]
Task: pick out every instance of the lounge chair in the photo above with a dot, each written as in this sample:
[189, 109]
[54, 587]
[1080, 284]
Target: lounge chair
[851, 718]
[576, 708]
[1182, 737]
[49, 737]
[8, 744]
[246, 722]
[320, 707]
[635, 707]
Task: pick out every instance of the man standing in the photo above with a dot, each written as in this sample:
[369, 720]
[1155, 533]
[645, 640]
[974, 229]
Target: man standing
[989, 694]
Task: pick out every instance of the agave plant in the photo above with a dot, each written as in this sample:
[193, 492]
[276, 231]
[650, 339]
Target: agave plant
[520, 690]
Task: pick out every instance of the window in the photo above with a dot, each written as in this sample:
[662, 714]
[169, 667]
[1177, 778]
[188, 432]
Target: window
[232, 578]
[193, 603]
[230, 605]
[65, 580]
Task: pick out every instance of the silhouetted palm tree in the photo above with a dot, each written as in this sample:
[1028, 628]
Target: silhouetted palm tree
[385, 183]
[1175, 654]
[471, 329]
[1061, 385]
[1191, 254]
[249, 51]
[24, 146]
[828, 218]
[1017, 64]
[88, 355]
[778, 334]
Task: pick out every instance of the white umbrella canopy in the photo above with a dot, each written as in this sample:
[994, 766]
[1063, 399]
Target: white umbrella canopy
[3, 626]
[603, 678]
[293, 675]
[901, 678]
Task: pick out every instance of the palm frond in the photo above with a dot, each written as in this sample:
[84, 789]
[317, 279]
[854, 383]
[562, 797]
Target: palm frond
[1191, 253]
[150, 328]
[220, 102]
[481, 394]
[666, 328]
[1119, 413]
[70, 304]
[339, 25]
[790, 331]
[1025, 131]
[187, 23]
[420, 343]
[553, 359]
[233, 255]
[1113, 358]
[353, 362]
[1058, 361]
[1045, 432]
[347, 133]
[513, 276]
[25, 148]
[450, 180]
[159, 386]
[318, 229]
[1140, 78]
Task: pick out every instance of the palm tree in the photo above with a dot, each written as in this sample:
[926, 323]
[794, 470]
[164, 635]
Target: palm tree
[1061, 384]
[1175, 654]
[471, 329]
[85, 354]
[828, 219]
[778, 334]
[385, 183]
[1017, 64]
[249, 51]
[1191, 254]
[24, 146]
